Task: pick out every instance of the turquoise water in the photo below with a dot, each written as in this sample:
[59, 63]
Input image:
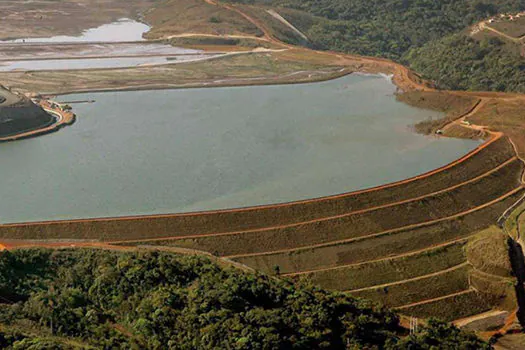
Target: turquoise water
[169, 151]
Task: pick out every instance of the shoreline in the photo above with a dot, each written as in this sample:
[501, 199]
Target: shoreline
[494, 137]
[402, 77]
[62, 119]
[246, 83]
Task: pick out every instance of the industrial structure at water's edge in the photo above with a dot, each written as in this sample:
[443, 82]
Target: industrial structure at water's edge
[23, 117]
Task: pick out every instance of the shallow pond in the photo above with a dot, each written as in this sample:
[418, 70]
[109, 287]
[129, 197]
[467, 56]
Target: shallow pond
[169, 151]
[122, 30]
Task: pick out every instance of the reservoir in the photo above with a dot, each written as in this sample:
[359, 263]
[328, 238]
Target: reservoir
[152, 152]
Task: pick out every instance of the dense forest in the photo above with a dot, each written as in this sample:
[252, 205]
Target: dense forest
[413, 32]
[71, 299]
[458, 62]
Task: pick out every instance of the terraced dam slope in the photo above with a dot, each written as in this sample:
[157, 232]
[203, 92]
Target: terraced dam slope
[401, 244]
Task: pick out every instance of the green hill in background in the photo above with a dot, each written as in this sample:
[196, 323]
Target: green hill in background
[429, 36]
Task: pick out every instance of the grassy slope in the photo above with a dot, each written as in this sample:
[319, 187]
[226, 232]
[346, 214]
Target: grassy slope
[515, 29]
[453, 106]
[174, 17]
[506, 116]
[414, 291]
[391, 270]
[455, 307]
[360, 225]
[488, 252]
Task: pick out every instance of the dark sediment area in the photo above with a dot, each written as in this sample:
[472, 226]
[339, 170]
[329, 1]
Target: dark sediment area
[19, 115]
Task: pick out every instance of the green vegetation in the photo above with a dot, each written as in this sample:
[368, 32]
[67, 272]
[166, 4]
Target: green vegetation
[157, 300]
[423, 34]
[385, 28]
[433, 334]
[459, 62]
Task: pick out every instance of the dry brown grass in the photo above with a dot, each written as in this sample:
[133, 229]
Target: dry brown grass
[461, 132]
[452, 105]
[196, 16]
[488, 252]
[504, 115]
[358, 225]
[501, 288]
[423, 289]
[512, 342]
[391, 270]
[455, 307]
[380, 247]
[514, 28]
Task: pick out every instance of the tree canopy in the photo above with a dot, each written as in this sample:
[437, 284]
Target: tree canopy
[427, 35]
[158, 300]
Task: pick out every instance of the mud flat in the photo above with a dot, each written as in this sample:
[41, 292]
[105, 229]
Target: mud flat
[113, 45]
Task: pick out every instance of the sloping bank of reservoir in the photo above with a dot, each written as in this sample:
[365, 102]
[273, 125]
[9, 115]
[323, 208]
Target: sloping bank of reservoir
[150, 152]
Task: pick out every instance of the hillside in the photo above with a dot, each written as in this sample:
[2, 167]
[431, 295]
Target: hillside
[482, 62]
[429, 36]
[72, 299]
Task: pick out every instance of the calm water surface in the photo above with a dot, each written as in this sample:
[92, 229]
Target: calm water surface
[122, 30]
[184, 150]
